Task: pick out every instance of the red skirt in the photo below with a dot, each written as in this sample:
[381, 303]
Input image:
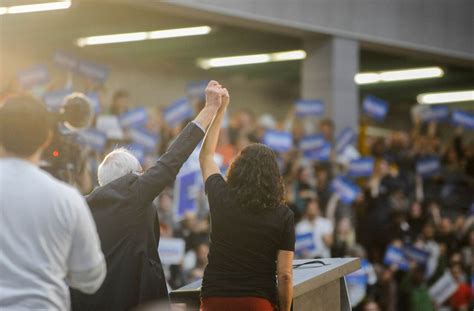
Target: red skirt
[236, 304]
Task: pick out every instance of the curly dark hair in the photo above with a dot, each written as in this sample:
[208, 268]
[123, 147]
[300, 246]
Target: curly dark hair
[254, 178]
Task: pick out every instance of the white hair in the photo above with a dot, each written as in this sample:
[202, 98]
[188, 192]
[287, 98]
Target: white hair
[116, 164]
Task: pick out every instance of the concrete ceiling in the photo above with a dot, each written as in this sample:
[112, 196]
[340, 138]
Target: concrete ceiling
[43, 33]
[59, 29]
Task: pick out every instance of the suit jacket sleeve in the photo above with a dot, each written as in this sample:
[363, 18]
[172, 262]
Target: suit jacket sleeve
[155, 179]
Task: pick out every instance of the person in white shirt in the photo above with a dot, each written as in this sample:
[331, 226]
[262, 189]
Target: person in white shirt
[319, 227]
[48, 239]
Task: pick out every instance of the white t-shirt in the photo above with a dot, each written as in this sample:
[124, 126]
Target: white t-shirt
[48, 240]
[319, 228]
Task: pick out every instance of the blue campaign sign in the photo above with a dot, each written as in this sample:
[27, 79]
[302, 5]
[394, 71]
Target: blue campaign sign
[395, 256]
[416, 254]
[321, 154]
[359, 277]
[185, 193]
[36, 75]
[346, 137]
[138, 151]
[133, 118]
[94, 99]
[312, 142]
[434, 113]
[346, 190]
[309, 108]
[54, 100]
[178, 111]
[144, 137]
[375, 108]
[196, 89]
[93, 138]
[93, 71]
[65, 60]
[463, 118]
[428, 166]
[171, 250]
[304, 243]
[362, 167]
[279, 141]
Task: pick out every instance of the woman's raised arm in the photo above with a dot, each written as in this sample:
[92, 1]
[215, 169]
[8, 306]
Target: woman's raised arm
[206, 156]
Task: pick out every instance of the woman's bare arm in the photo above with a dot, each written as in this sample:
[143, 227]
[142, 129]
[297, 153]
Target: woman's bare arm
[206, 156]
[285, 279]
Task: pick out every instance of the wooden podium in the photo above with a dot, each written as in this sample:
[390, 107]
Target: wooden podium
[318, 285]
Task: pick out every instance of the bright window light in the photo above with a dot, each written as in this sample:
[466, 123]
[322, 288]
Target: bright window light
[398, 75]
[445, 97]
[251, 59]
[145, 35]
[36, 7]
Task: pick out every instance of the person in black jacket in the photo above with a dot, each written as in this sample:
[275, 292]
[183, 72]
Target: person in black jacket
[128, 224]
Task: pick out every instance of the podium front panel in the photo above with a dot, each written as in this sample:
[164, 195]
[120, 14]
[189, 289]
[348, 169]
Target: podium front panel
[317, 285]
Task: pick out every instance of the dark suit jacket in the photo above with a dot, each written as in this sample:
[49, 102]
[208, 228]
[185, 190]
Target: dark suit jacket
[128, 228]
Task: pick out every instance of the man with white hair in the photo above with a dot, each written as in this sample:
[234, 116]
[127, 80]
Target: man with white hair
[127, 222]
[118, 163]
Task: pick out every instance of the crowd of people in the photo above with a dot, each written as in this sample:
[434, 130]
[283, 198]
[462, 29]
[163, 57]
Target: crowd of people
[396, 207]
[395, 210]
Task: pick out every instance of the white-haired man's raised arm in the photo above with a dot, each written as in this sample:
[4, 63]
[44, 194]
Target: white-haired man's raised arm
[206, 156]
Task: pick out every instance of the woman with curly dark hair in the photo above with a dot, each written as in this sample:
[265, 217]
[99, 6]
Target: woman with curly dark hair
[252, 230]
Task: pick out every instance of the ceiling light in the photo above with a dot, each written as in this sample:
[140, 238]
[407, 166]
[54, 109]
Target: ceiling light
[366, 78]
[445, 97]
[180, 32]
[398, 75]
[251, 59]
[123, 37]
[411, 74]
[145, 35]
[290, 55]
[234, 61]
[36, 7]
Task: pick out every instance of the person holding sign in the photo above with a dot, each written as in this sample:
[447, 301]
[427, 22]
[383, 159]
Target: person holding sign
[127, 221]
[317, 229]
[252, 231]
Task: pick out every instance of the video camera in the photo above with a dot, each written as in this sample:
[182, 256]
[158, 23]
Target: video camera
[64, 158]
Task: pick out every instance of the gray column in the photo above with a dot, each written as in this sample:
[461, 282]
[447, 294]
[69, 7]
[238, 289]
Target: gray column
[328, 74]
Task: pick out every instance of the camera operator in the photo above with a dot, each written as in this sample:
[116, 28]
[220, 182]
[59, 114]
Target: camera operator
[48, 238]
[65, 159]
